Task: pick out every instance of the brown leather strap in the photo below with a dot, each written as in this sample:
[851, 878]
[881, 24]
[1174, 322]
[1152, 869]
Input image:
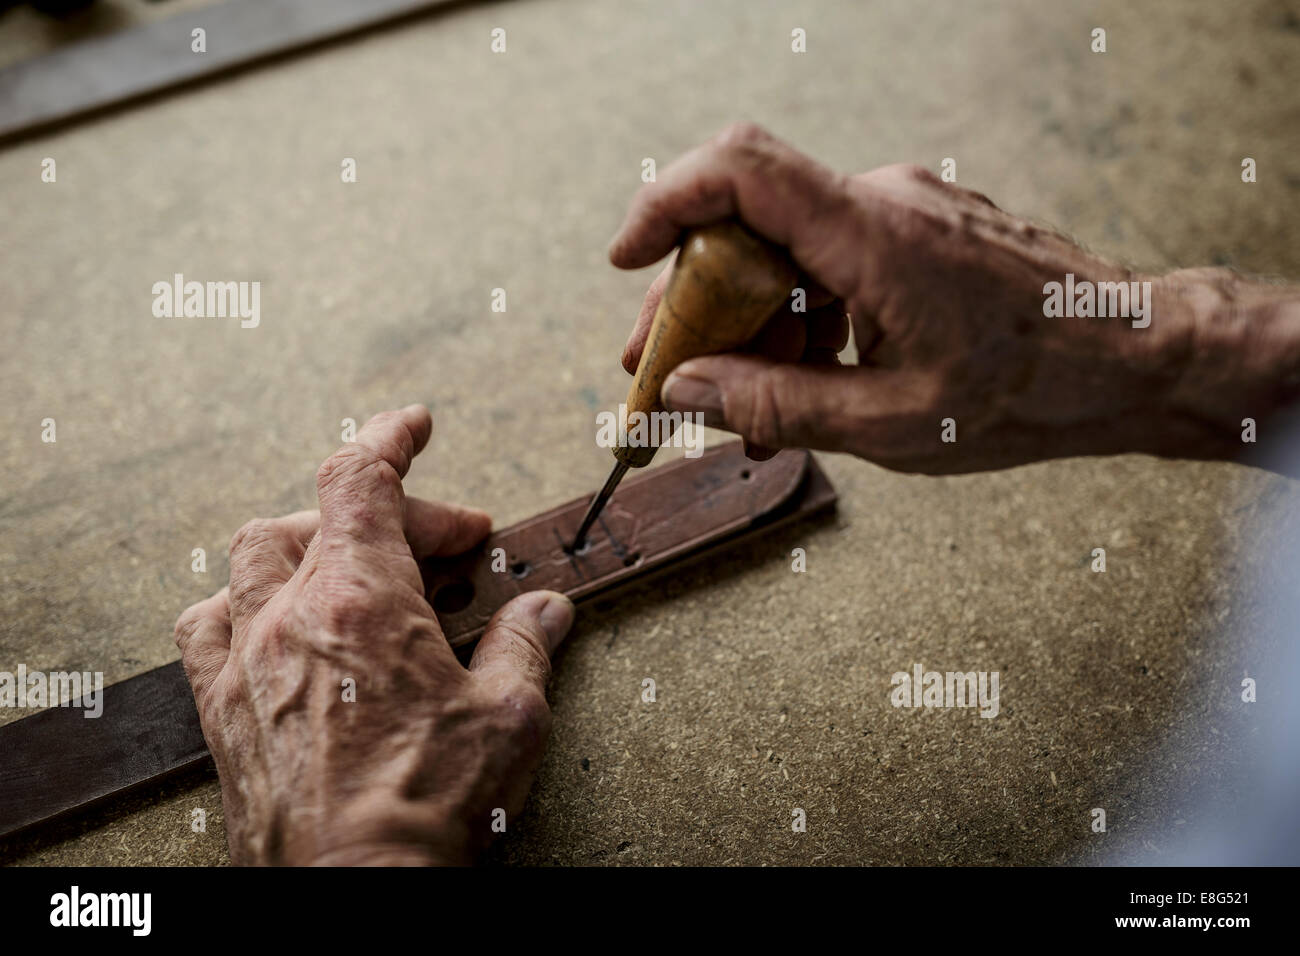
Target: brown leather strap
[58, 762]
[655, 518]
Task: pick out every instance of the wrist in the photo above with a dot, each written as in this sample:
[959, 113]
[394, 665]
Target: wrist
[1240, 355]
[384, 830]
[377, 855]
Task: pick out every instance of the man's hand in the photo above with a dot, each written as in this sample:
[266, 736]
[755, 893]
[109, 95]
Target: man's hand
[413, 769]
[946, 295]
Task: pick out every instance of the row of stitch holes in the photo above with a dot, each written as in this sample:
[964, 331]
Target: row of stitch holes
[457, 595]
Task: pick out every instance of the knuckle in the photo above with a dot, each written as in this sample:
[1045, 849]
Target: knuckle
[918, 174]
[837, 201]
[978, 197]
[348, 602]
[221, 698]
[764, 424]
[355, 464]
[187, 625]
[702, 190]
[742, 135]
[325, 474]
[900, 175]
[523, 712]
[833, 202]
[253, 533]
[249, 591]
[339, 466]
[377, 472]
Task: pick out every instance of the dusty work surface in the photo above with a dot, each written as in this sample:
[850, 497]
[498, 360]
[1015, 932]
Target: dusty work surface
[479, 171]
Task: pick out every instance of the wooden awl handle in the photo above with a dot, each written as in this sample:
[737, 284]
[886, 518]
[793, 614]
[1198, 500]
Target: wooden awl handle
[724, 286]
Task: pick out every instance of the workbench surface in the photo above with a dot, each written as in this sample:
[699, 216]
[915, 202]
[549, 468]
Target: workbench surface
[479, 171]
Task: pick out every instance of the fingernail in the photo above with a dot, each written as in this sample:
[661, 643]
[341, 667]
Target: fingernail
[556, 618]
[683, 393]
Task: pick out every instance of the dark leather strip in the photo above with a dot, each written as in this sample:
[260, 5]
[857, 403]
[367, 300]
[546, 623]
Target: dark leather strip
[58, 762]
[105, 71]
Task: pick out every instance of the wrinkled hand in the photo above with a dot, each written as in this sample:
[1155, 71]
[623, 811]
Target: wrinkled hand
[413, 769]
[946, 297]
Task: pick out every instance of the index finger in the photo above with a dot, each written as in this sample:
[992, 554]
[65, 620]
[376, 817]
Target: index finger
[777, 191]
[641, 329]
[203, 636]
[360, 485]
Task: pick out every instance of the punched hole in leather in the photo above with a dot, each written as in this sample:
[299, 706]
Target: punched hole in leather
[656, 518]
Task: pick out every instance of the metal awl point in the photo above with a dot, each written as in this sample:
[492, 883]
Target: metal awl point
[598, 504]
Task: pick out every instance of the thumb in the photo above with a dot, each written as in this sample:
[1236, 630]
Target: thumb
[521, 637]
[772, 404]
